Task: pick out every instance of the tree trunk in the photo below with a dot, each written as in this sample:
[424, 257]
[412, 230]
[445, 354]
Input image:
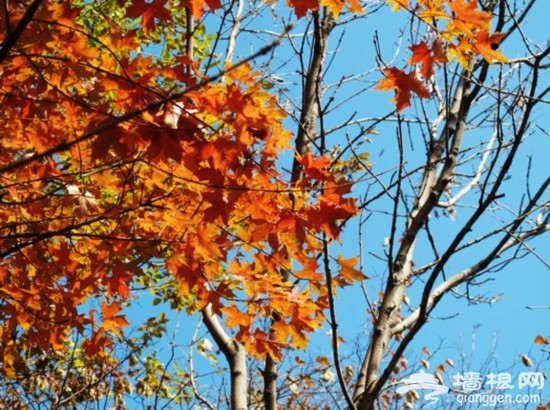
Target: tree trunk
[270, 384]
[236, 358]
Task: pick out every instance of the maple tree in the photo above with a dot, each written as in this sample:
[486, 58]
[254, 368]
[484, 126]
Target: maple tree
[142, 165]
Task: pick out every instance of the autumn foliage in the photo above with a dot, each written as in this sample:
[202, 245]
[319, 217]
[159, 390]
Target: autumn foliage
[119, 174]
[122, 172]
[460, 30]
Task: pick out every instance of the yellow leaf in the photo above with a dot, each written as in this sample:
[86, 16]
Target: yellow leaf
[398, 4]
[147, 116]
[8, 366]
[348, 271]
[335, 6]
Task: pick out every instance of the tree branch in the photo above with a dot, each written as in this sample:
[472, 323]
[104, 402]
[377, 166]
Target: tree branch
[14, 35]
[235, 356]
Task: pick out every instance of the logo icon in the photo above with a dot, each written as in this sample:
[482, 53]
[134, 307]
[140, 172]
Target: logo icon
[423, 381]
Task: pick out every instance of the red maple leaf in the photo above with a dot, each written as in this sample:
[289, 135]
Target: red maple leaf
[316, 168]
[301, 7]
[403, 84]
[428, 56]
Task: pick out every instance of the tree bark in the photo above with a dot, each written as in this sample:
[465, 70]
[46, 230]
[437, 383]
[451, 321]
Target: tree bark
[270, 384]
[236, 358]
[309, 114]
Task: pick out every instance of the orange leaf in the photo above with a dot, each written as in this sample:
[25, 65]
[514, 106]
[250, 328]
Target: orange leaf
[330, 213]
[197, 6]
[235, 317]
[398, 4]
[111, 321]
[8, 365]
[467, 18]
[427, 56]
[484, 44]
[315, 167]
[403, 84]
[540, 340]
[148, 12]
[323, 361]
[335, 6]
[206, 245]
